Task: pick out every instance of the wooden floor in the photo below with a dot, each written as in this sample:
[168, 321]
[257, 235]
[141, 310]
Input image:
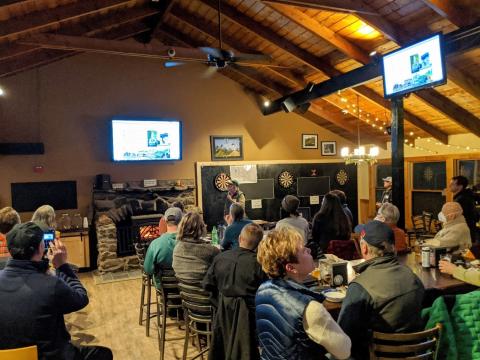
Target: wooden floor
[111, 319]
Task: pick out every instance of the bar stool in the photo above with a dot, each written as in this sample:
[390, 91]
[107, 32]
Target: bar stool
[198, 316]
[147, 283]
[168, 298]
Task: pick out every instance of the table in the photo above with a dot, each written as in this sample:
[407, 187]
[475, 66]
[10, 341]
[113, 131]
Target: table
[433, 280]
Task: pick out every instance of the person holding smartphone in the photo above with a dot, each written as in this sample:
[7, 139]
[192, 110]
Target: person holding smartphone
[34, 302]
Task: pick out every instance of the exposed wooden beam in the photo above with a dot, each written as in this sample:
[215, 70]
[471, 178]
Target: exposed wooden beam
[334, 39]
[349, 6]
[452, 11]
[446, 106]
[42, 20]
[302, 55]
[89, 28]
[467, 83]
[163, 8]
[44, 57]
[208, 29]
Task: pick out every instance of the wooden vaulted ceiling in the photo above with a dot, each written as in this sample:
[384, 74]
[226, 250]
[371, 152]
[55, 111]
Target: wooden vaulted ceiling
[313, 40]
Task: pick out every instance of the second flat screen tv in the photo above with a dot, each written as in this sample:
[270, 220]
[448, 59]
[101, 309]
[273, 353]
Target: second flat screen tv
[414, 67]
[146, 139]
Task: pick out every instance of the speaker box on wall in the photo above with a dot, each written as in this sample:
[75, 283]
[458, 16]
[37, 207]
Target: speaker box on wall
[22, 149]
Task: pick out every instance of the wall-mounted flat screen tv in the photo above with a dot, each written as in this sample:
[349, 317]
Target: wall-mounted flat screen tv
[146, 139]
[414, 67]
[59, 194]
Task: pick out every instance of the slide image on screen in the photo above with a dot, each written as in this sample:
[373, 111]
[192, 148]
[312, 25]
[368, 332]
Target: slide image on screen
[414, 67]
[135, 140]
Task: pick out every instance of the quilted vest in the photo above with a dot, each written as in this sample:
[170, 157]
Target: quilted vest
[280, 305]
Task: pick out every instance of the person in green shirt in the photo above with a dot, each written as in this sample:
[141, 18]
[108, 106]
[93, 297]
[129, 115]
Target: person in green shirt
[158, 259]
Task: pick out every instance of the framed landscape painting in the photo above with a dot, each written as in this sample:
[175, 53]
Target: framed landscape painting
[226, 147]
[309, 141]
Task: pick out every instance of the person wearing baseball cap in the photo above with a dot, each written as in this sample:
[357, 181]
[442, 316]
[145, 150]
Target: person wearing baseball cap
[159, 257]
[34, 302]
[234, 196]
[386, 296]
[387, 193]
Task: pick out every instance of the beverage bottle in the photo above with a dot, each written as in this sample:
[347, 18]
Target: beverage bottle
[214, 236]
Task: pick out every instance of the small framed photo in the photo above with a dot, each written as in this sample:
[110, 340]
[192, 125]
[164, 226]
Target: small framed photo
[226, 147]
[309, 141]
[329, 148]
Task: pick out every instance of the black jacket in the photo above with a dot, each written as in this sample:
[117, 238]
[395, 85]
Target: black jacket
[466, 199]
[385, 297]
[32, 305]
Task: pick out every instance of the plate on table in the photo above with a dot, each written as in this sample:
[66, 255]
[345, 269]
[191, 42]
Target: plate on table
[334, 295]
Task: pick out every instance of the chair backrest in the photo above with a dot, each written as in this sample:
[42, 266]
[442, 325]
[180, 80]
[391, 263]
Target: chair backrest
[427, 220]
[140, 251]
[195, 299]
[418, 345]
[344, 249]
[418, 224]
[25, 353]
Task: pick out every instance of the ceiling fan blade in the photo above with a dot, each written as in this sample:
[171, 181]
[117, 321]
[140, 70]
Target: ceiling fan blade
[216, 53]
[209, 72]
[169, 64]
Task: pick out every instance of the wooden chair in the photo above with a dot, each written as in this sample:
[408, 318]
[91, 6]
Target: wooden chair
[427, 221]
[146, 292]
[25, 353]
[198, 316]
[418, 225]
[419, 345]
[168, 298]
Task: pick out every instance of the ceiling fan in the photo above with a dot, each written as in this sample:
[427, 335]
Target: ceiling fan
[219, 58]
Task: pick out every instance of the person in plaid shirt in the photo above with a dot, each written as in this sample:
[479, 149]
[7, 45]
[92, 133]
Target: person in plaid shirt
[8, 219]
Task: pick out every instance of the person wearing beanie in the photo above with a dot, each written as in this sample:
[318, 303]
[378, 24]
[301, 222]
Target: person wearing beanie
[455, 230]
[386, 296]
[292, 217]
[34, 302]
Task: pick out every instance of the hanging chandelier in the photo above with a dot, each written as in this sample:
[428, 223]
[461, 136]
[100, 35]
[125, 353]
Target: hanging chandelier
[359, 154]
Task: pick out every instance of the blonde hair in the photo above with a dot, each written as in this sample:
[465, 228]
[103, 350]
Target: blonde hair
[45, 214]
[278, 249]
[191, 226]
[250, 236]
[8, 219]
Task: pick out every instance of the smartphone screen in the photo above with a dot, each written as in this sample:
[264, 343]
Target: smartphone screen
[48, 237]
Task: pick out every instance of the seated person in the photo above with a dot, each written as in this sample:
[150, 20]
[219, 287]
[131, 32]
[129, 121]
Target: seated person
[45, 214]
[292, 218]
[236, 221]
[385, 297]
[160, 252]
[292, 323]
[471, 276]
[34, 302]
[343, 200]
[455, 230]
[389, 214]
[8, 219]
[162, 224]
[233, 279]
[192, 256]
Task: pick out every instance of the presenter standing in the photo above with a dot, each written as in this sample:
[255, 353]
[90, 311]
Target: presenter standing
[234, 195]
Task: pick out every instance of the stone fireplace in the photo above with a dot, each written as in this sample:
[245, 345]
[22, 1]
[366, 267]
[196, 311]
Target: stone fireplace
[124, 217]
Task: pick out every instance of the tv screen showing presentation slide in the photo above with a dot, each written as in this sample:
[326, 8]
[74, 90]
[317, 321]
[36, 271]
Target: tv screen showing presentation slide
[146, 140]
[414, 67]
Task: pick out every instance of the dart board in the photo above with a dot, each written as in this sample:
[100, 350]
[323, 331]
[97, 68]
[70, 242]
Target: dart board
[285, 179]
[341, 177]
[221, 181]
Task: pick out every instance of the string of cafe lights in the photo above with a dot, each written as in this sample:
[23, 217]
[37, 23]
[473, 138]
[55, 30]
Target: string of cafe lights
[374, 121]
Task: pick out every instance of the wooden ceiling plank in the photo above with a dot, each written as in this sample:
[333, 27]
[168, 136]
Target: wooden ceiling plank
[44, 57]
[43, 19]
[467, 83]
[450, 109]
[451, 11]
[348, 6]
[336, 40]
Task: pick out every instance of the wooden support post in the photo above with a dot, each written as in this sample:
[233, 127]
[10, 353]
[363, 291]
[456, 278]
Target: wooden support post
[398, 162]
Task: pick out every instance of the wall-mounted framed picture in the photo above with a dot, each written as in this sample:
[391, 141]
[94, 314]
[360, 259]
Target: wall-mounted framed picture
[226, 147]
[329, 148]
[309, 141]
